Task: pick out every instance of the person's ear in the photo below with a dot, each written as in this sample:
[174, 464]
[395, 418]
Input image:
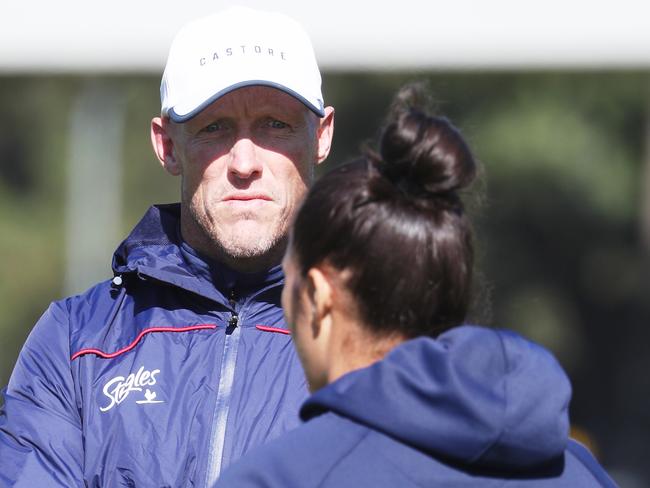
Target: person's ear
[163, 146]
[325, 134]
[320, 294]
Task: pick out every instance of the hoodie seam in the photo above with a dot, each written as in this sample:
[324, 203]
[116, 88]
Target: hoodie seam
[401, 468]
[336, 463]
[505, 402]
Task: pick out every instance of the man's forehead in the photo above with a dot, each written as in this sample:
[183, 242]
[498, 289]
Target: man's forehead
[254, 100]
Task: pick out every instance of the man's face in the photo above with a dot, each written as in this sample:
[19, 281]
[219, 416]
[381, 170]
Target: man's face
[246, 162]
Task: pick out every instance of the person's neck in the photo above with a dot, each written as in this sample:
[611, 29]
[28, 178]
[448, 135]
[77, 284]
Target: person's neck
[355, 347]
[205, 246]
[254, 264]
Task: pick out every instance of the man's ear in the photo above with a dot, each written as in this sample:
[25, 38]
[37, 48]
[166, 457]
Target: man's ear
[163, 146]
[320, 293]
[325, 134]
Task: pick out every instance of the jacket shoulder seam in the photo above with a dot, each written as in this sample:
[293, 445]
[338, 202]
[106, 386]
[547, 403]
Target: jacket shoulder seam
[507, 370]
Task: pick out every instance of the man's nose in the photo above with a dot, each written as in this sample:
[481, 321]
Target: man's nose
[244, 162]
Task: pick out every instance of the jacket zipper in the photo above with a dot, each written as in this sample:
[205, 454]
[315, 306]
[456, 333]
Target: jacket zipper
[226, 381]
[222, 405]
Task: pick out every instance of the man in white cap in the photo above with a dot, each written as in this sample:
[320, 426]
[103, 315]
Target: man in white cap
[181, 363]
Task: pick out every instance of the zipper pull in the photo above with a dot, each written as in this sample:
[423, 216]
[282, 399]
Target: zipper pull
[232, 323]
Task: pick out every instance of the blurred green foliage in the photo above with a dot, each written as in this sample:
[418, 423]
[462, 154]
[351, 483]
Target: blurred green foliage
[558, 220]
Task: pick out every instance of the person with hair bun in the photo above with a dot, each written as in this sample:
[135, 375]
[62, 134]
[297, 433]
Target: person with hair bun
[378, 286]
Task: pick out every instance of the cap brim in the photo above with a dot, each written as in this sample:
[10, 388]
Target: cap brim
[179, 118]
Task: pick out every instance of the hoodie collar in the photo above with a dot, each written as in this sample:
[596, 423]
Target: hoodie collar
[155, 249]
[225, 278]
[482, 397]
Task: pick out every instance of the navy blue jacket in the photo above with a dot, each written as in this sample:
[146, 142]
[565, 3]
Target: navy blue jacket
[476, 407]
[160, 377]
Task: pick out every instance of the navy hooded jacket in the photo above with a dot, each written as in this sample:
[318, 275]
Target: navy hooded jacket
[161, 377]
[475, 407]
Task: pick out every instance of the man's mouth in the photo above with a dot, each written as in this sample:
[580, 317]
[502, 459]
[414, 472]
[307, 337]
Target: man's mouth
[247, 197]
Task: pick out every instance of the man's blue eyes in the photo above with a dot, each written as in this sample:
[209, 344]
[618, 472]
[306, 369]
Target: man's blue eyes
[271, 123]
[212, 128]
[277, 124]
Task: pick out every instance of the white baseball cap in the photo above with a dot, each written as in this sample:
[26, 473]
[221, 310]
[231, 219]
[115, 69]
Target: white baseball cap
[238, 47]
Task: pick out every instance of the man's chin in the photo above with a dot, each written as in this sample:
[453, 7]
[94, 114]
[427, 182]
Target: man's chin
[246, 240]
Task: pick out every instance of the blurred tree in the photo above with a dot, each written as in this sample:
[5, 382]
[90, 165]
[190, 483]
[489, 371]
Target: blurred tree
[559, 235]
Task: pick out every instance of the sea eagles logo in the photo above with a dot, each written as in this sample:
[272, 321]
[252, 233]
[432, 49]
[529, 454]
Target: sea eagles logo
[117, 389]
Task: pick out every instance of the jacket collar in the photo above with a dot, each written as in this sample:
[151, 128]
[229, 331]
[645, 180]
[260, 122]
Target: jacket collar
[155, 249]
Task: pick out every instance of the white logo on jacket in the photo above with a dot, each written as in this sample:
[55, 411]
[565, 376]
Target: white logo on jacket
[117, 389]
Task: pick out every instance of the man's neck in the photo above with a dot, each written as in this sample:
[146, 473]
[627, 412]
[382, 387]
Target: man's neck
[253, 264]
[207, 247]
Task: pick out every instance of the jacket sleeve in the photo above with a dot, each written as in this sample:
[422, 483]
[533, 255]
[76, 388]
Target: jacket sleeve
[41, 442]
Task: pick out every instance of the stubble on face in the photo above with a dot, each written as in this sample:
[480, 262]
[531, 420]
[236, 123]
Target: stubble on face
[258, 238]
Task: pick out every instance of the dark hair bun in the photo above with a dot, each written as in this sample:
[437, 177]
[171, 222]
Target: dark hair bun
[393, 223]
[422, 153]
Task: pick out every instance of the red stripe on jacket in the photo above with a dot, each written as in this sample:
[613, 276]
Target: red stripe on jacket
[110, 355]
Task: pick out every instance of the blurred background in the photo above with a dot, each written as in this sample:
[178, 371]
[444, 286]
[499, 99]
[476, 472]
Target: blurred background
[554, 99]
